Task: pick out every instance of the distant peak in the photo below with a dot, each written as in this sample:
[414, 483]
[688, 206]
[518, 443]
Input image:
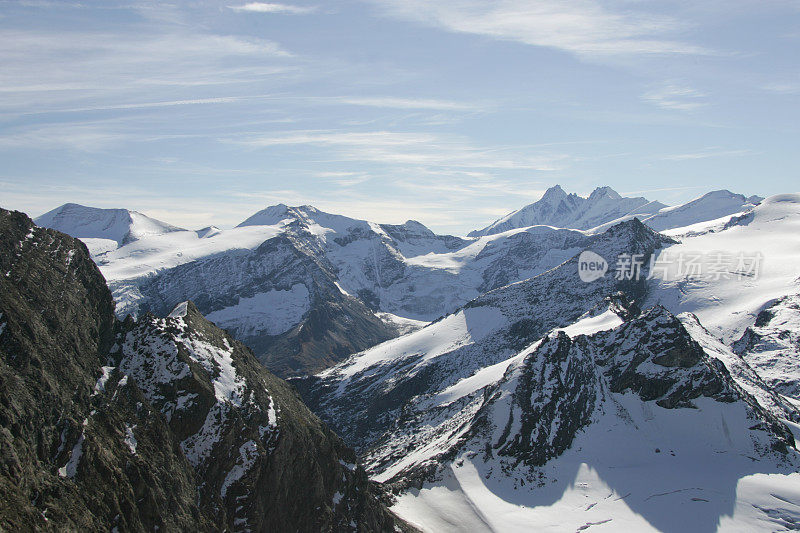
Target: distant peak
[554, 193]
[415, 224]
[605, 191]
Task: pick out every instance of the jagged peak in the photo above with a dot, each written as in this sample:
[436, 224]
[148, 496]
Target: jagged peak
[553, 194]
[604, 191]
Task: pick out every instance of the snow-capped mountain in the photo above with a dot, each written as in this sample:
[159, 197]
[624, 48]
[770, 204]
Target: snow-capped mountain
[159, 424]
[711, 206]
[103, 229]
[522, 393]
[305, 291]
[328, 285]
[559, 209]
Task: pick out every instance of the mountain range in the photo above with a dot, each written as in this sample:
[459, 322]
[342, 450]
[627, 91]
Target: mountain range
[290, 281]
[483, 380]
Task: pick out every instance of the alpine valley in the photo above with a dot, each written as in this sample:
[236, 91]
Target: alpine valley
[435, 382]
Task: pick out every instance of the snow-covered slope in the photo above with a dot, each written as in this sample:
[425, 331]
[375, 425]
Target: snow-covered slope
[727, 276]
[559, 209]
[711, 206]
[651, 423]
[103, 229]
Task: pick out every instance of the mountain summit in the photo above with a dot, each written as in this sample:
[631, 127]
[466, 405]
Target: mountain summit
[120, 226]
[559, 209]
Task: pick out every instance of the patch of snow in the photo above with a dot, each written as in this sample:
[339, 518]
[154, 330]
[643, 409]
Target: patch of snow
[337, 498]
[71, 468]
[460, 329]
[588, 326]
[198, 447]
[180, 310]
[403, 325]
[100, 386]
[248, 453]
[130, 439]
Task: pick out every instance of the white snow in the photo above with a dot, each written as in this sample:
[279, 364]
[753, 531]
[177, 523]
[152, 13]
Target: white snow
[180, 310]
[228, 386]
[693, 215]
[403, 325]
[156, 252]
[462, 328]
[100, 386]
[337, 498]
[71, 468]
[102, 225]
[727, 306]
[197, 448]
[590, 325]
[130, 439]
[272, 417]
[612, 479]
[271, 312]
[248, 453]
[557, 208]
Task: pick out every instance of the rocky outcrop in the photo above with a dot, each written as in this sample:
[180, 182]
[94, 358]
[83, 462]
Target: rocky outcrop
[771, 346]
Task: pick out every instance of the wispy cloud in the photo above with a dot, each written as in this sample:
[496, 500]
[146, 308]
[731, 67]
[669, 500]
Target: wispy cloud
[79, 137]
[411, 148]
[45, 71]
[790, 87]
[577, 26]
[707, 153]
[263, 7]
[411, 103]
[676, 96]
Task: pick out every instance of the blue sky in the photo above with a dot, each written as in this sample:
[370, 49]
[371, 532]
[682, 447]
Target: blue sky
[449, 112]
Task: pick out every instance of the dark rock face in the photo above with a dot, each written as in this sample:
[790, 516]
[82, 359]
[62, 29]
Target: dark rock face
[165, 424]
[555, 397]
[64, 460]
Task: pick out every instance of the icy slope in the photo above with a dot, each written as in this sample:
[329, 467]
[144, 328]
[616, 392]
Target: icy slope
[102, 229]
[559, 209]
